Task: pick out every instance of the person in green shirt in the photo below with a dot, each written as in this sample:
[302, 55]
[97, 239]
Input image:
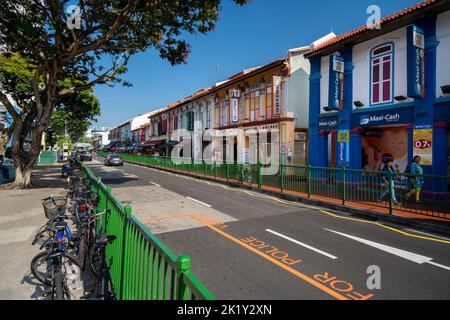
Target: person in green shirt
[416, 181]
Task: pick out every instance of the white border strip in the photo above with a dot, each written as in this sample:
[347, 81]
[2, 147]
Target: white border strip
[195, 200]
[303, 244]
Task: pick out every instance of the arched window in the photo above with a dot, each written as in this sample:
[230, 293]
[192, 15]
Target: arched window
[382, 74]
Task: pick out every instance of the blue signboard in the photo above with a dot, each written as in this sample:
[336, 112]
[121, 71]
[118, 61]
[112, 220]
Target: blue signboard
[382, 118]
[336, 88]
[416, 62]
[343, 148]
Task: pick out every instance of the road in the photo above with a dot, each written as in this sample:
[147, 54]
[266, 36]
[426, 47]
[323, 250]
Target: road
[261, 247]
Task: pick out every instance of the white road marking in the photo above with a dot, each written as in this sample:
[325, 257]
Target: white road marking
[155, 184]
[195, 200]
[438, 265]
[417, 258]
[302, 244]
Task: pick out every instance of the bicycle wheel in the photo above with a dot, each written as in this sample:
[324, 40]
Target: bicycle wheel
[58, 286]
[41, 269]
[95, 259]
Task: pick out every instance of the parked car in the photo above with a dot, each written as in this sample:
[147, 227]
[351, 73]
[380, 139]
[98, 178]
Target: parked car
[86, 156]
[83, 155]
[114, 160]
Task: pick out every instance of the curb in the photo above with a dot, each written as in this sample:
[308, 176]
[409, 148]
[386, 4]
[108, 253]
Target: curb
[442, 228]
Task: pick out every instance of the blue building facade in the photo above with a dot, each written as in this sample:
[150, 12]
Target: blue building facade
[377, 93]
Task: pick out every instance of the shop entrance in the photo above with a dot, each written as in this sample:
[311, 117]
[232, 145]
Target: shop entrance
[332, 149]
[384, 142]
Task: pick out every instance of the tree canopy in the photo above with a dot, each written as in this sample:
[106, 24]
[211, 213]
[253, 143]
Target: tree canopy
[65, 44]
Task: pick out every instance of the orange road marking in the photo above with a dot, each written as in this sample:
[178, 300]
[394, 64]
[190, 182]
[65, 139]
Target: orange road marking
[159, 219]
[220, 226]
[278, 263]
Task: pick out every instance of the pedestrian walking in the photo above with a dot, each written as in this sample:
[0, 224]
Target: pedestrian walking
[416, 180]
[386, 185]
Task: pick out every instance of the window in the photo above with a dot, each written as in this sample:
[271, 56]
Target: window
[262, 94]
[381, 70]
[202, 119]
[224, 112]
[246, 106]
[190, 121]
[269, 100]
[208, 117]
[254, 103]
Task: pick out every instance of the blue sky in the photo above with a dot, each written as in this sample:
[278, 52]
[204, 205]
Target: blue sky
[249, 36]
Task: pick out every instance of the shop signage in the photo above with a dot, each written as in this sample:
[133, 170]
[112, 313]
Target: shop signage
[344, 136]
[336, 92]
[344, 147]
[234, 110]
[328, 124]
[234, 93]
[273, 126]
[382, 118]
[300, 136]
[416, 62]
[276, 96]
[423, 145]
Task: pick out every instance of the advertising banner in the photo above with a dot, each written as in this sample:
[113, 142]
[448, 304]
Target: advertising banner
[390, 143]
[336, 92]
[423, 145]
[416, 62]
[344, 147]
[276, 96]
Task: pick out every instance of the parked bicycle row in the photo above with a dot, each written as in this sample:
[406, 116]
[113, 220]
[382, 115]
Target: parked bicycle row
[73, 244]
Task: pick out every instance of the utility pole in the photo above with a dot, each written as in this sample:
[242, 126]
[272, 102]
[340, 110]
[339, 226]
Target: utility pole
[65, 132]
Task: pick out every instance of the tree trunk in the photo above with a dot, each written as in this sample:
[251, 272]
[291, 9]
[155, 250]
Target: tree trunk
[23, 178]
[24, 161]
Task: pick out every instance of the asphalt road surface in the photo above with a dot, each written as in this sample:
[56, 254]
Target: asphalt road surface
[274, 249]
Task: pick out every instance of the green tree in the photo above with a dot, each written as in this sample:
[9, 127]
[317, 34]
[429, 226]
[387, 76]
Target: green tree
[77, 112]
[69, 51]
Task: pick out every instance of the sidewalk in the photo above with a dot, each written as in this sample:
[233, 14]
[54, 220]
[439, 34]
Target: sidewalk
[21, 216]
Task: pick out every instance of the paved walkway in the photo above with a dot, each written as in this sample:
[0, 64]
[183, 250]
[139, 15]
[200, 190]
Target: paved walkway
[157, 207]
[21, 216]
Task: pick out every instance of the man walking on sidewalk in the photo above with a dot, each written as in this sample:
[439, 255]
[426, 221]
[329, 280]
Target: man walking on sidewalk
[386, 185]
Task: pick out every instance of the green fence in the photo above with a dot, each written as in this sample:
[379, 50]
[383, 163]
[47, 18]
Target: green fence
[384, 192]
[47, 158]
[141, 266]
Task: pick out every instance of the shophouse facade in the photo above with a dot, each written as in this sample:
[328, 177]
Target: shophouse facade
[257, 100]
[271, 101]
[378, 94]
[121, 134]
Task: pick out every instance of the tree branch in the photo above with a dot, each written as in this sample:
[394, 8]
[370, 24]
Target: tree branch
[107, 76]
[4, 99]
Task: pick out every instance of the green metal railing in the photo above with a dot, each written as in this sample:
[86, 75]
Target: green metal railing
[374, 189]
[141, 266]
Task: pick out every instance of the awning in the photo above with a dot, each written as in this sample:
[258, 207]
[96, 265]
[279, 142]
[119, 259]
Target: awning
[152, 143]
[171, 144]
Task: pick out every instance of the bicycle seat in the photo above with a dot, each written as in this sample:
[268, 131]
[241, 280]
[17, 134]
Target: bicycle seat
[60, 226]
[104, 240]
